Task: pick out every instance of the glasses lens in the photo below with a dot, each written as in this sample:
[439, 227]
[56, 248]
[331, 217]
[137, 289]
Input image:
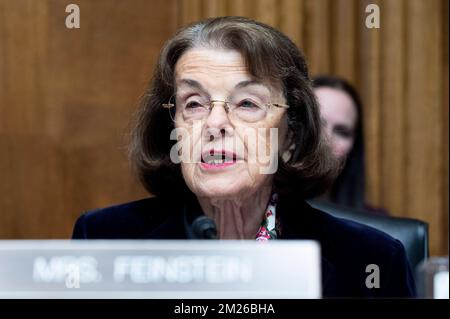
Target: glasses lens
[249, 109]
[193, 108]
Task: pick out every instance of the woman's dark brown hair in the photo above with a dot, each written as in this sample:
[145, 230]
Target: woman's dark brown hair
[269, 55]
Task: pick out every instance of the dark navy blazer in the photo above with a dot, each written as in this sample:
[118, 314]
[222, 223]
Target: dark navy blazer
[347, 247]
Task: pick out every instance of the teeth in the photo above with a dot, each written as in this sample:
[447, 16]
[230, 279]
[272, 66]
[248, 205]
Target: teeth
[215, 159]
[218, 161]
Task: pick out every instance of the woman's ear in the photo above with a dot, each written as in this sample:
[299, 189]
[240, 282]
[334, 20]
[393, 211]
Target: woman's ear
[288, 147]
[287, 154]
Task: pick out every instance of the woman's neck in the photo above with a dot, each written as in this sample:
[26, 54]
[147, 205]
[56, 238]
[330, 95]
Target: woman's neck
[237, 218]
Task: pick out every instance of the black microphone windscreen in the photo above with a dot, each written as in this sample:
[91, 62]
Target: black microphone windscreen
[204, 227]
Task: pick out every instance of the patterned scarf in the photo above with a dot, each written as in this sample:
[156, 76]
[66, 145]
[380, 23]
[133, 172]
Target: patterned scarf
[270, 227]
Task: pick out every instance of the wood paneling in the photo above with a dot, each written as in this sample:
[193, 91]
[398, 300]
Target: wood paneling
[65, 101]
[369, 75]
[393, 107]
[215, 8]
[191, 11]
[344, 23]
[66, 97]
[445, 130]
[290, 21]
[424, 151]
[317, 35]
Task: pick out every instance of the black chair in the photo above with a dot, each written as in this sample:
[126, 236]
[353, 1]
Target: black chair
[412, 233]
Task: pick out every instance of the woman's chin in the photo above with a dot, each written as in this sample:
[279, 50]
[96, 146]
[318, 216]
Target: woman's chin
[221, 189]
[225, 184]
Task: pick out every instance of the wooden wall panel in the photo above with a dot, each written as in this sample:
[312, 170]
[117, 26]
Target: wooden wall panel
[445, 130]
[393, 107]
[291, 19]
[247, 8]
[368, 83]
[215, 8]
[424, 159]
[317, 35]
[266, 12]
[66, 99]
[191, 11]
[344, 23]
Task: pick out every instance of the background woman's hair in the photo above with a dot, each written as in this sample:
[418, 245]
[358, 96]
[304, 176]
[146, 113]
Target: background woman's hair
[348, 188]
[269, 55]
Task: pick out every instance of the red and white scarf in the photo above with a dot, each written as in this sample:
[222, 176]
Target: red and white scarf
[270, 226]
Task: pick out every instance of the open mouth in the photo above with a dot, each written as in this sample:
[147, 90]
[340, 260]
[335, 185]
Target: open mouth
[215, 158]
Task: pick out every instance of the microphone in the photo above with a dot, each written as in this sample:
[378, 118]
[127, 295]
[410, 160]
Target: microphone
[204, 227]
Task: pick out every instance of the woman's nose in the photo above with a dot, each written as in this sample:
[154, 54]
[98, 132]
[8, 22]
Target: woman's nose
[217, 122]
[218, 116]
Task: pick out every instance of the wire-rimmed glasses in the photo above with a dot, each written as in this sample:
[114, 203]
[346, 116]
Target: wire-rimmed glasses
[243, 109]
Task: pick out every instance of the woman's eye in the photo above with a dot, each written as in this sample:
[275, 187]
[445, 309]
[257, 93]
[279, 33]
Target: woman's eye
[345, 133]
[193, 105]
[247, 104]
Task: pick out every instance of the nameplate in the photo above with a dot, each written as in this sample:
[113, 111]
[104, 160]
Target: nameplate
[158, 269]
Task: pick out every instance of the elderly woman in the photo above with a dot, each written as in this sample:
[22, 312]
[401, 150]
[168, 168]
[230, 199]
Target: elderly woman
[229, 129]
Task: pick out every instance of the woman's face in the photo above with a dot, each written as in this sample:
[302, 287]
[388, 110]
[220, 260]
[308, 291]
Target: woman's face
[230, 150]
[339, 117]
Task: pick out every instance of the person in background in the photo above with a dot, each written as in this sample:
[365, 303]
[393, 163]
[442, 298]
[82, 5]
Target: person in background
[342, 118]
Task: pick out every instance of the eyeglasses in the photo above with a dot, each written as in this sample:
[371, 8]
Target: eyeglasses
[243, 109]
